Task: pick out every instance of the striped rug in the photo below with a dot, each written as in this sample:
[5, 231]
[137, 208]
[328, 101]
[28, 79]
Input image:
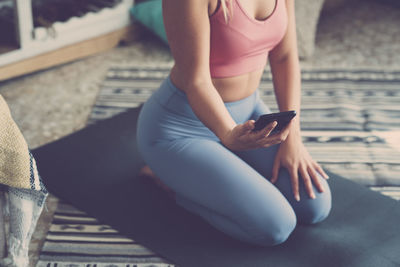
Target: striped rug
[77, 240]
[350, 122]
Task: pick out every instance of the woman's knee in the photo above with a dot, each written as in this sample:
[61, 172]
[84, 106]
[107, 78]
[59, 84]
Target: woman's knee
[308, 210]
[316, 213]
[274, 228]
[313, 211]
[276, 236]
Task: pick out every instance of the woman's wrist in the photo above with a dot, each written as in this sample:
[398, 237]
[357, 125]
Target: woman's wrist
[225, 134]
[294, 131]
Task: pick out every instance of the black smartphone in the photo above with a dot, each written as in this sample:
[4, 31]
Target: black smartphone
[282, 118]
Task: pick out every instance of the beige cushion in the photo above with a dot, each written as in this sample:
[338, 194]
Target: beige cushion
[15, 160]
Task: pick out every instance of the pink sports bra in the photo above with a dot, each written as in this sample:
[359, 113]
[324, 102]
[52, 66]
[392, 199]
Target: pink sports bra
[242, 45]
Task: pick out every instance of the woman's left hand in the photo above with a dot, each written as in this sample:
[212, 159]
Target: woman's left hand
[293, 155]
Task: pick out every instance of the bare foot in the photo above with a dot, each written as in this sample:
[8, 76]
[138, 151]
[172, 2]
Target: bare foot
[149, 173]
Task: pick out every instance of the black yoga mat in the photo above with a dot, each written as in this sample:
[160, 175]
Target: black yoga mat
[96, 170]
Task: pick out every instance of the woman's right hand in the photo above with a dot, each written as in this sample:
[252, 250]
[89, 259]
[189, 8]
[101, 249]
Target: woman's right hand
[242, 136]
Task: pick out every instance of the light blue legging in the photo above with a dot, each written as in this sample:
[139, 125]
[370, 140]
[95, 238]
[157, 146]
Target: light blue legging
[228, 189]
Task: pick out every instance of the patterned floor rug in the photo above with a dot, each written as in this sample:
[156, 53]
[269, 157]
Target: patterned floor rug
[77, 240]
[350, 122]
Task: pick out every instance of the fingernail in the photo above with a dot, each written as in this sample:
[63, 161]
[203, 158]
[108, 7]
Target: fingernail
[313, 196]
[297, 197]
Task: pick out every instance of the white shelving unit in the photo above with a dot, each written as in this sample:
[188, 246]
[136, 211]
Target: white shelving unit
[37, 42]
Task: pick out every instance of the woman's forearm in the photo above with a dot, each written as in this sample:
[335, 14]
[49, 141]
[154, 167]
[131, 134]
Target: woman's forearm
[285, 68]
[287, 86]
[209, 107]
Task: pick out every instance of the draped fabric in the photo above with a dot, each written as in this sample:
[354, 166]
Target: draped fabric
[26, 192]
[17, 166]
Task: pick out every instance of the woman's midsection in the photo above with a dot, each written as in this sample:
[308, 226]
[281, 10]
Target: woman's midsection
[238, 87]
[231, 88]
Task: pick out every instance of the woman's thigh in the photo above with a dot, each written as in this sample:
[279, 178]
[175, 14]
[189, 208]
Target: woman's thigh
[307, 210]
[210, 176]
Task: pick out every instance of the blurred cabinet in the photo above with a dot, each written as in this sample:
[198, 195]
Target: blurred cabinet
[43, 47]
